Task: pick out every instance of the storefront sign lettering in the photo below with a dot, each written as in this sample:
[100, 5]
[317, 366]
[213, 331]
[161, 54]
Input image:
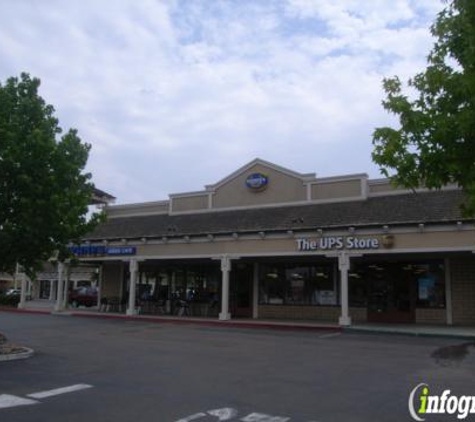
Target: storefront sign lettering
[337, 242]
[93, 251]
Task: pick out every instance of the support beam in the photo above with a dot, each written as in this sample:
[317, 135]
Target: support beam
[255, 291]
[51, 289]
[66, 285]
[59, 295]
[24, 287]
[448, 292]
[15, 277]
[29, 290]
[133, 269]
[344, 266]
[225, 269]
[99, 287]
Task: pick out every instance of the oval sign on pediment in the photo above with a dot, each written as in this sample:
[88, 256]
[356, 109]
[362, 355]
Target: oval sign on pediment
[257, 181]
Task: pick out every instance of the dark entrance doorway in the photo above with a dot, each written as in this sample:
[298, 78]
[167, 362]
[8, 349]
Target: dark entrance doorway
[45, 287]
[387, 289]
[391, 298]
[391, 288]
[240, 292]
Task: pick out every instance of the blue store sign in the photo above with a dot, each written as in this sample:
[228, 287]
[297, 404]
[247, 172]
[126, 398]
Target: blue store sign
[92, 251]
[257, 181]
[121, 250]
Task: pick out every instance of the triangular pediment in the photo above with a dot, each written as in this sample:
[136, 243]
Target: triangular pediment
[258, 165]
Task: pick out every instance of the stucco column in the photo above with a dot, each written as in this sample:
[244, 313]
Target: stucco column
[133, 268]
[344, 266]
[225, 269]
[99, 287]
[21, 304]
[51, 290]
[66, 285]
[255, 291]
[448, 292]
[59, 294]
[29, 283]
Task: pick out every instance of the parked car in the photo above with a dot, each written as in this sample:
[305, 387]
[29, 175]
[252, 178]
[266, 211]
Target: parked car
[83, 296]
[13, 292]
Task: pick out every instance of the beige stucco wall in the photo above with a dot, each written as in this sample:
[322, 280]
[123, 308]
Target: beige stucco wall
[139, 209]
[318, 313]
[381, 187]
[189, 203]
[281, 188]
[425, 239]
[111, 279]
[462, 273]
[409, 241]
[332, 190]
[431, 316]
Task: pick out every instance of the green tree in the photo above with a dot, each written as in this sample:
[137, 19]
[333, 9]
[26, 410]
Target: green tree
[435, 142]
[44, 190]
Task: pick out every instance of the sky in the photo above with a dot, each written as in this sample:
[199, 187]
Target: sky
[174, 95]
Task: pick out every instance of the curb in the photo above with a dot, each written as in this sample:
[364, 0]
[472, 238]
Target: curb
[247, 325]
[350, 330]
[210, 323]
[24, 311]
[28, 353]
[222, 324]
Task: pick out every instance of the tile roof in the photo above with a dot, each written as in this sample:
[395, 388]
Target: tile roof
[412, 208]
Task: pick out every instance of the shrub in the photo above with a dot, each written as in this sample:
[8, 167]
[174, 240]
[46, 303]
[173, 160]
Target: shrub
[9, 300]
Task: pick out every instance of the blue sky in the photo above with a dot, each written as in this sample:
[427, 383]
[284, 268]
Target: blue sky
[174, 95]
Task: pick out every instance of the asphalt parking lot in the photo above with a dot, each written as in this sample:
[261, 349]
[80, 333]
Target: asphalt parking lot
[111, 370]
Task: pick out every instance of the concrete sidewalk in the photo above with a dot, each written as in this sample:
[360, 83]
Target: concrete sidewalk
[460, 332]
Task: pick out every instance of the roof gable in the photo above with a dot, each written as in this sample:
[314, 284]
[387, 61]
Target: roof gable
[259, 163]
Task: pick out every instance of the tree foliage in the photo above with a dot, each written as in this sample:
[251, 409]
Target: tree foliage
[44, 191]
[435, 143]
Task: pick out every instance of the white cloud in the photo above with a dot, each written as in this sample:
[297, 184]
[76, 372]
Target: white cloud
[176, 94]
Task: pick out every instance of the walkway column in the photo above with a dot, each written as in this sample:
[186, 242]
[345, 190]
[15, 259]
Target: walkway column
[448, 292]
[225, 269]
[59, 295]
[15, 277]
[133, 268]
[24, 283]
[51, 290]
[344, 266]
[29, 289]
[99, 287]
[66, 285]
[255, 291]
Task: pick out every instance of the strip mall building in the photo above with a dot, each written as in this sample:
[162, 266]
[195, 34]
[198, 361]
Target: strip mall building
[268, 242]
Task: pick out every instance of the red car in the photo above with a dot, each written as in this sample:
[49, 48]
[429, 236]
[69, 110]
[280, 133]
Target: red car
[83, 296]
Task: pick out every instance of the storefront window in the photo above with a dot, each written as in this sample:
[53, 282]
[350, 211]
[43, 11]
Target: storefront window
[192, 289]
[430, 285]
[288, 284]
[401, 285]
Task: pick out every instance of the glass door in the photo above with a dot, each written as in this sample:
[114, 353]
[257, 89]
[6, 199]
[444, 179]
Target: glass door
[391, 295]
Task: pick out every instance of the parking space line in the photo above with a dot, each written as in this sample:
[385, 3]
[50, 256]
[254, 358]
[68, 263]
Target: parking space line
[193, 417]
[58, 391]
[330, 335]
[7, 400]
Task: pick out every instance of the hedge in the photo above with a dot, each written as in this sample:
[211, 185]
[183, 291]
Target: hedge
[9, 300]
